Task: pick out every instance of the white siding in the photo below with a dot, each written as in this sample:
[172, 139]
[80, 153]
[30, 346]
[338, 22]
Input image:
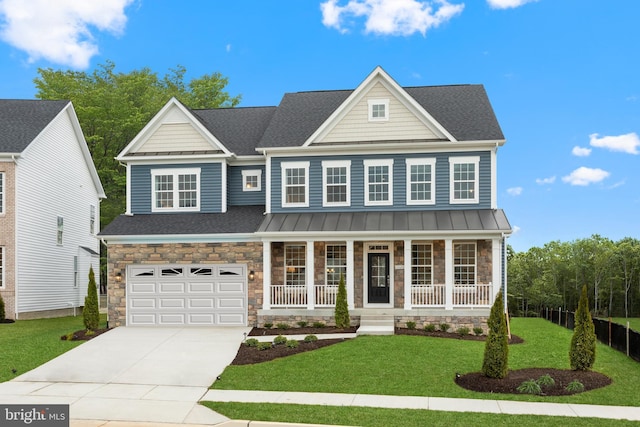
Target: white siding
[175, 137]
[355, 125]
[53, 180]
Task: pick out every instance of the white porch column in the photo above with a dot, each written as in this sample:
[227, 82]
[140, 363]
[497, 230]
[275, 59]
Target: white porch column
[407, 275]
[266, 275]
[310, 276]
[496, 266]
[448, 274]
[350, 279]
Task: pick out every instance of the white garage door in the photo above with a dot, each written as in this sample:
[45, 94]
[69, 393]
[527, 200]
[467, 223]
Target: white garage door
[187, 294]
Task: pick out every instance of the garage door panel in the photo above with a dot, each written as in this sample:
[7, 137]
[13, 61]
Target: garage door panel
[143, 302]
[202, 319]
[171, 287]
[171, 318]
[231, 287]
[143, 288]
[206, 288]
[201, 302]
[230, 303]
[142, 319]
[172, 303]
[229, 319]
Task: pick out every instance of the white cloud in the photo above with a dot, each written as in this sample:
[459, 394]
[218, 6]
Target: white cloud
[506, 4]
[228, 47]
[514, 191]
[581, 151]
[584, 176]
[60, 31]
[390, 17]
[627, 143]
[543, 181]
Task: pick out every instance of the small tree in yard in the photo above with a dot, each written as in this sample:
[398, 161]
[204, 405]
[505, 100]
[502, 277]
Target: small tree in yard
[342, 308]
[90, 312]
[496, 348]
[582, 353]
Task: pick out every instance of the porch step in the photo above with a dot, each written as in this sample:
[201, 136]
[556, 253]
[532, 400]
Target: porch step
[376, 325]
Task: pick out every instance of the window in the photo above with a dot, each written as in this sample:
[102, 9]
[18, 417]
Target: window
[92, 219]
[75, 271]
[251, 180]
[295, 184]
[464, 179]
[421, 181]
[336, 264]
[60, 230]
[336, 178]
[295, 265]
[421, 264]
[464, 263]
[378, 110]
[1, 267]
[176, 189]
[1, 192]
[378, 177]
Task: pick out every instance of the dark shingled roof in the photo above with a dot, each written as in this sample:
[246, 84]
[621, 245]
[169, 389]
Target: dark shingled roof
[21, 121]
[403, 221]
[238, 219]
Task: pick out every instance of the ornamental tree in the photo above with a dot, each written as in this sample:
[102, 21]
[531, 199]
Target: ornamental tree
[91, 312]
[496, 348]
[341, 315]
[582, 353]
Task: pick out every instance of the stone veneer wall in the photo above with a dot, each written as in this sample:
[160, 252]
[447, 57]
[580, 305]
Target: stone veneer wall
[8, 238]
[120, 256]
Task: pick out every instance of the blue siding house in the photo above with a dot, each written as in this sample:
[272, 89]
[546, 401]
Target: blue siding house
[250, 215]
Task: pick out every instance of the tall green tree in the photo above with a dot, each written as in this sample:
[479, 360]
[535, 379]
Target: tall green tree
[496, 348]
[113, 107]
[91, 311]
[341, 314]
[582, 353]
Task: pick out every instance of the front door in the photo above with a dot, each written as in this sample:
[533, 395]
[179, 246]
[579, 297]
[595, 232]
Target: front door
[378, 278]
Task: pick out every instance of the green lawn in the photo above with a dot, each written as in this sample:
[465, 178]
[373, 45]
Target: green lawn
[27, 344]
[423, 366]
[634, 322]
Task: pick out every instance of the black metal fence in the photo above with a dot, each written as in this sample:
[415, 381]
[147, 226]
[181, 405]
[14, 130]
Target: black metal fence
[612, 334]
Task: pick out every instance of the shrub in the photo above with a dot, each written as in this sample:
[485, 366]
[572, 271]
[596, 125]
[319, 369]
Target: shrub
[282, 325]
[2, 312]
[582, 353]
[303, 323]
[310, 338]
[268, 325]
[496, 348]
[430, 327]
[292, 344]
[444, 327]
[341, 312]
[462, 331]
[91, 312]
[411, 325]
[279, 340]
[264, 346]
[546, 381]
[478, 331]
[319, 324]
[251, 342]
[575, 386]
[529, 387]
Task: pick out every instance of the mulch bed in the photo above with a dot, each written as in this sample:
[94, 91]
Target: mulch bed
[303, 331]
[83, 336]
[7, 321]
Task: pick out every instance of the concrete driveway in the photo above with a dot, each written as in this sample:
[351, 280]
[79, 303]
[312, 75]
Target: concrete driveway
[134, 374]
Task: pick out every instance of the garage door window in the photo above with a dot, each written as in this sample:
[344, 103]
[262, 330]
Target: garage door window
[171, 272]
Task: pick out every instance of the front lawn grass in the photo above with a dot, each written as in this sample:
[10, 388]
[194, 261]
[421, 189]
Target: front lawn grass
[27, 344]
[634, 322]
[425, 366]
[382, 417]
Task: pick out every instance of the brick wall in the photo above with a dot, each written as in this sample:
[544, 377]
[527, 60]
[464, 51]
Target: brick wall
[8, 238]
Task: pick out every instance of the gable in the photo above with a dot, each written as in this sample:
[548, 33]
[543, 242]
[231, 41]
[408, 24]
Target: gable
[172, 137]
[402, 124]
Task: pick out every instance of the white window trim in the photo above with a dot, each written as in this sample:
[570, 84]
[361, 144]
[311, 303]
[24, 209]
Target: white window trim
[59, 230]
[378, 162]
[461, 160]
[303, 265]
[294, 165]
[251, 172]
[3, 266]
[430, 244]
[371, 103]
[3, 190]
[92, 219]
[326, 261]
[422, 161]
[176, 204]
[336, 164]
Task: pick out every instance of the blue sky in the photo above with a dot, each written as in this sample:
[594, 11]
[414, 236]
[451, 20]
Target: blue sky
[563, 76]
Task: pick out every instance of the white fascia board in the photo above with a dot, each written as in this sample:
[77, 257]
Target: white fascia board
[159, 160]
[156, 121]
[9, 157]
[247, 160]
[180, 238]
[381, 235]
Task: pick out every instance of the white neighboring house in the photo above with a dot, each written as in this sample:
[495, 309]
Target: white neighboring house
[50, 196]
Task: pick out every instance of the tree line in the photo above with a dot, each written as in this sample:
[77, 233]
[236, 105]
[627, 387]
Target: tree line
[553, 275]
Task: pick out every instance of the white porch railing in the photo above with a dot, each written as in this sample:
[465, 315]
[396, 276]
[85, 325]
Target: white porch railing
[289, 295]
[478, 295]
[427, 295]
[326, 295]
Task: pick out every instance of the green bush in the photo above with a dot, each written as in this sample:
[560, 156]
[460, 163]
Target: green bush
[462, 331]
[251, 342]
[264, 346]
[319, 324]
[268, 325]
[292, 344]
[341, 313]
[582, 353]
[546, 381]
[478, 331]
[2, 312]
[91, 312]
[411, 325]
[303, 323]
[310, 338]
[444, 327]
[282, 325]
[279, 340]
[529, 387]
[430, 327]
[496, 348]
[575, 386]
